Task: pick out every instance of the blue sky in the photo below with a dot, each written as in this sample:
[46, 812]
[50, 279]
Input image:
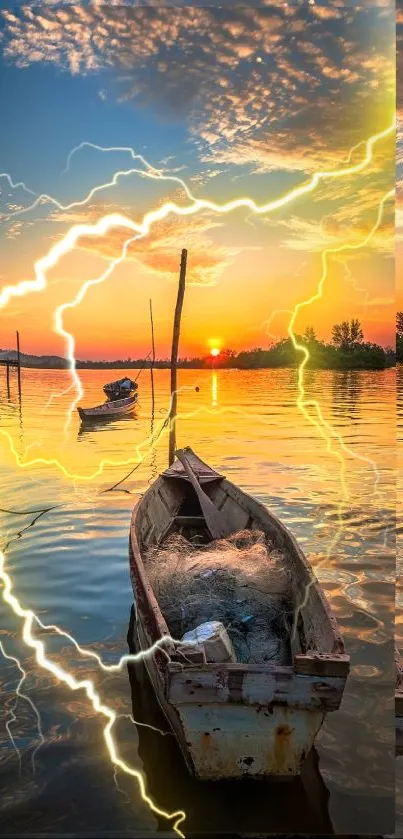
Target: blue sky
[237, 101]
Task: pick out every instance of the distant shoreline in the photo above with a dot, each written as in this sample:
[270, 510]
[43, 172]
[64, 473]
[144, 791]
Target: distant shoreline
[363, 356]
[113, 365]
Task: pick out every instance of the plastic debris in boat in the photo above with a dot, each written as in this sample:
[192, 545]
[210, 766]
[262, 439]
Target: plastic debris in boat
[215, 640]
[246, 621]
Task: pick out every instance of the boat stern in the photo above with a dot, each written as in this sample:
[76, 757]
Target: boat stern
[237, 724]
[247, 741]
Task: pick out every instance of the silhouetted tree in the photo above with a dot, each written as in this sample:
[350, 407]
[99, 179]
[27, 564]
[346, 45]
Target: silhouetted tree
[347, 335]
[309, 335]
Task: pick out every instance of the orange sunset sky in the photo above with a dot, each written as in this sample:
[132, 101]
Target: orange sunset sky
[241, 102]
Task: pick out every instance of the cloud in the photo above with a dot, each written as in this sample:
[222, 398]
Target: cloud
[280, 86]
[346, 226]
[158, 251]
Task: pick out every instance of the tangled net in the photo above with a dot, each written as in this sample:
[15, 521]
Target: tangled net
[241, 581]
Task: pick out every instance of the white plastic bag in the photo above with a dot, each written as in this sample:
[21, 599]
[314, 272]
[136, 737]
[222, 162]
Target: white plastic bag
[215, 639]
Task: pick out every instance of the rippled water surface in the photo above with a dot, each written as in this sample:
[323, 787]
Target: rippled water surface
[399, 577]
[71, 568]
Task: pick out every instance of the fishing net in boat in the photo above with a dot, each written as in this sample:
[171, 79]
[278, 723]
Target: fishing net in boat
[241, 581]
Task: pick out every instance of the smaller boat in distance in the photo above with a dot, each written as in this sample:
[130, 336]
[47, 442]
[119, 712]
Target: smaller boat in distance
[399, 702]
[121, 399]
[109, 410]
[257, 711]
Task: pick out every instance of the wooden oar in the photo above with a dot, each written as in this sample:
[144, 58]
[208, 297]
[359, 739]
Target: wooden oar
[216, 522]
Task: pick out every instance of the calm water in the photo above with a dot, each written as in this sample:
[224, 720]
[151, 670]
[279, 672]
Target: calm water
[71, 567]
[399, 576]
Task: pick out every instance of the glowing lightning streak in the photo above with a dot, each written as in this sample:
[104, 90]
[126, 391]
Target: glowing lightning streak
[21, 695]
[302, 403]
[108, 222]
[323, 427]
[58, 319]
[85, 684]
[115, 220]
[86, 144]
[16, 185]
[150, 172]
[353, 282]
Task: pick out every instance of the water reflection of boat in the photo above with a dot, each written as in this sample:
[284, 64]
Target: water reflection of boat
[399, 702]
[238, 719]
[108, 410]
[267, 806]
[87, 426]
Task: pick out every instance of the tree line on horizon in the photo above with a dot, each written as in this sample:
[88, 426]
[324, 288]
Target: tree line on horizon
[347, 350]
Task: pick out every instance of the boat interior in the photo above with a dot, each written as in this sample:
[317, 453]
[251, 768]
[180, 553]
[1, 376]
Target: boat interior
[171, 506]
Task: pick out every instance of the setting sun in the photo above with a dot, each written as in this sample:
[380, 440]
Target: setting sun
[215, 351]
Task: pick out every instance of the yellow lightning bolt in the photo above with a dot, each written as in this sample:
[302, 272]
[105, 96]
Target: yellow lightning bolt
[323, 427]
[21, 695]
[150, 172]
[86, 685]
[302, 403]
[113, 220]
[109, 222]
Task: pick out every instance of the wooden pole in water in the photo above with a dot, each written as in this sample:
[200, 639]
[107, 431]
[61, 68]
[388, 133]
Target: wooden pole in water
[152, 366]
[153, 460]
[19, 364]
[8, 380]
[152, 335]
[174, 356]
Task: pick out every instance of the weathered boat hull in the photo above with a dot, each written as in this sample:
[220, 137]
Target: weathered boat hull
[109, 410]
[238, 720]
[239, 740]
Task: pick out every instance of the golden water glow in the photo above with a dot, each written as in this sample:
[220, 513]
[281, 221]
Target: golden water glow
[214, 390]
[84, 684]
[324, 429]
[108, 222]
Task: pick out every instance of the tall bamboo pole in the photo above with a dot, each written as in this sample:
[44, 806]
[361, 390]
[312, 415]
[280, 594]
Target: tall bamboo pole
[152, 368]
[174, 356]
[153, 458]
[152, 332]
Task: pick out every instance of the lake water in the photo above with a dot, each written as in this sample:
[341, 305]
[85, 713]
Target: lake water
[71, 568]
[399, 576]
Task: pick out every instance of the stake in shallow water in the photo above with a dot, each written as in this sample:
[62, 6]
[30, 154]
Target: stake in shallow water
[9, 363]
[174, 356]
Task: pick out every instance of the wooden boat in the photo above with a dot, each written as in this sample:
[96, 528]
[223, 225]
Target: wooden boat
[399, 702]
[117, 408]
[234, 720]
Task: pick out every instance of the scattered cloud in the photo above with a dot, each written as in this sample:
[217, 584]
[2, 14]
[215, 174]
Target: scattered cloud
[310, 236]
[272, 86]
[159, 250]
